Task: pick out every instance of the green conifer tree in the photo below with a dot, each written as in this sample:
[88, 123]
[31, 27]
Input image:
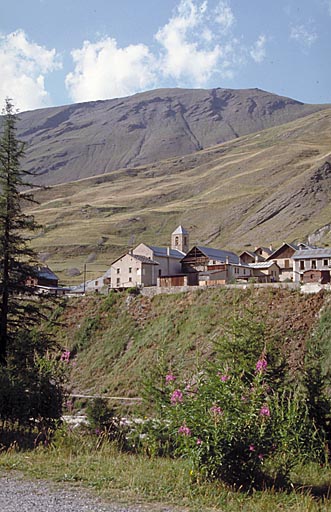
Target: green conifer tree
[17, 260]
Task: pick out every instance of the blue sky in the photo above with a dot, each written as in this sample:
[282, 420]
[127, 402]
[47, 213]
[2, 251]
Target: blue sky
[68, 51]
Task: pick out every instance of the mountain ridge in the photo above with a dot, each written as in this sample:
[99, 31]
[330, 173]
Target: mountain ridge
[87, 139]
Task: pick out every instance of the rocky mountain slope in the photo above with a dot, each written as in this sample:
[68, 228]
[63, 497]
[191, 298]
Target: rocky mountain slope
[82, 140]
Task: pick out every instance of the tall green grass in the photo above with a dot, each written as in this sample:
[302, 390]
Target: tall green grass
[99, 466]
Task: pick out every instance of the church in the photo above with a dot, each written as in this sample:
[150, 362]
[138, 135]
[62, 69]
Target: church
[145, 264]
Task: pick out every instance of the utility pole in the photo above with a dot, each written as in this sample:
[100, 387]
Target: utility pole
[84, 277]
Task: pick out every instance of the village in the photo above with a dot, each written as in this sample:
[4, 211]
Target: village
[179, 267]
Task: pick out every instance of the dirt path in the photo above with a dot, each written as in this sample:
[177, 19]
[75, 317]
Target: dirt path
[18, 494]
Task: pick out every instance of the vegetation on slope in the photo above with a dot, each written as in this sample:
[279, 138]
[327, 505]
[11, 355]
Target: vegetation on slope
[116, 340]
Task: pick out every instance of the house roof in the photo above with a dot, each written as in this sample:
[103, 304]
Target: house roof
[180, 231]
[267, 250]
[137, 257]
[219, 254]
[306, 254]
[262, 264]
[144, 259]
[166, 251]
[250, 253]
[46, 273]
[292, 245]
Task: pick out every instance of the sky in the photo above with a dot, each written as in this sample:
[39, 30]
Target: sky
[58, 52]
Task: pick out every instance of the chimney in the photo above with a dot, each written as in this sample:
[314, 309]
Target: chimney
[271, 248]
[256, 259]
[168, 251]
[227, 260]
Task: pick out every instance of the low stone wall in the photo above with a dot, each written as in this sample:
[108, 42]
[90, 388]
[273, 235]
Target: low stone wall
[151, 291]
[157, 290]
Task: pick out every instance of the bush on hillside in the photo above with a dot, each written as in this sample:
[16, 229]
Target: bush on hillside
[238, 419]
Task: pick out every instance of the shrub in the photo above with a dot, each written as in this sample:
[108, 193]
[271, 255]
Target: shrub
[103, 420]
[229, 428]
[238, 419]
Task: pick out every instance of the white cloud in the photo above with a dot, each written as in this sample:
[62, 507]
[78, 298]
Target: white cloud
[24, 66]
[102, 70]
[303, 35]
[258, 51]
[328, 5]
[186, 52]
[195, 45]
[224, 15]
[191, 48]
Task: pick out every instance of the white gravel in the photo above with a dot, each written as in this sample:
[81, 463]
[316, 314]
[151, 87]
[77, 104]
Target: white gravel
[20, 495]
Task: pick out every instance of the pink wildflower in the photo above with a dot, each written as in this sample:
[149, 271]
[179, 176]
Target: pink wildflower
[260, 456]
[184, 430]
[176, 397]
[199, 441]
[170, 377]
[265, 411]
[251, 448]
[215, 410]
[261, 365]
[65, 356]
[223, 378]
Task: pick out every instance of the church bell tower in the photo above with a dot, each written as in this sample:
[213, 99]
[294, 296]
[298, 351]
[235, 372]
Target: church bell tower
[180, 240]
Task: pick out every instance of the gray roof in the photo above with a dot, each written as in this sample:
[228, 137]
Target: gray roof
[163, 252]
[46, 273]
[262, 264]
[219, 255]
[180, 231]
[295, 247]
[248, 252]
[143, 259]
[312, 253]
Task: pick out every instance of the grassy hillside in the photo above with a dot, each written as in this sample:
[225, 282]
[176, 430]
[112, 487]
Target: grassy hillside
[117, 340]
[259, 189]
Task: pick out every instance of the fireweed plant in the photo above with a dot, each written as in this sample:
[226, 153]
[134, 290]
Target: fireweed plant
[233, 426]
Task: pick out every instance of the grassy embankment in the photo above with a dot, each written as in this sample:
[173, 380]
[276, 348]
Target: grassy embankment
[117, 338]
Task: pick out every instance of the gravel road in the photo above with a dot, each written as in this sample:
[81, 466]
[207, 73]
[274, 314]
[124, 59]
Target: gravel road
[20, 495]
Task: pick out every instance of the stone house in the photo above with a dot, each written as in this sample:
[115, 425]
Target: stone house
[43, 276]
[312, 265]
[283, 256]
[259, 254]
[265, 271]
[224, 274]
[133, 270]
[206, 260]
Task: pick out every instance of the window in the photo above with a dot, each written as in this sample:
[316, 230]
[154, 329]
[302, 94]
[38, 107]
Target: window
[160, 272]
[325, 263]
[302, 265]
[118, 270]
[118, 281]
[287, 263]
[313, 264]
[176, 240]
[130, 270]
[130, 279]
